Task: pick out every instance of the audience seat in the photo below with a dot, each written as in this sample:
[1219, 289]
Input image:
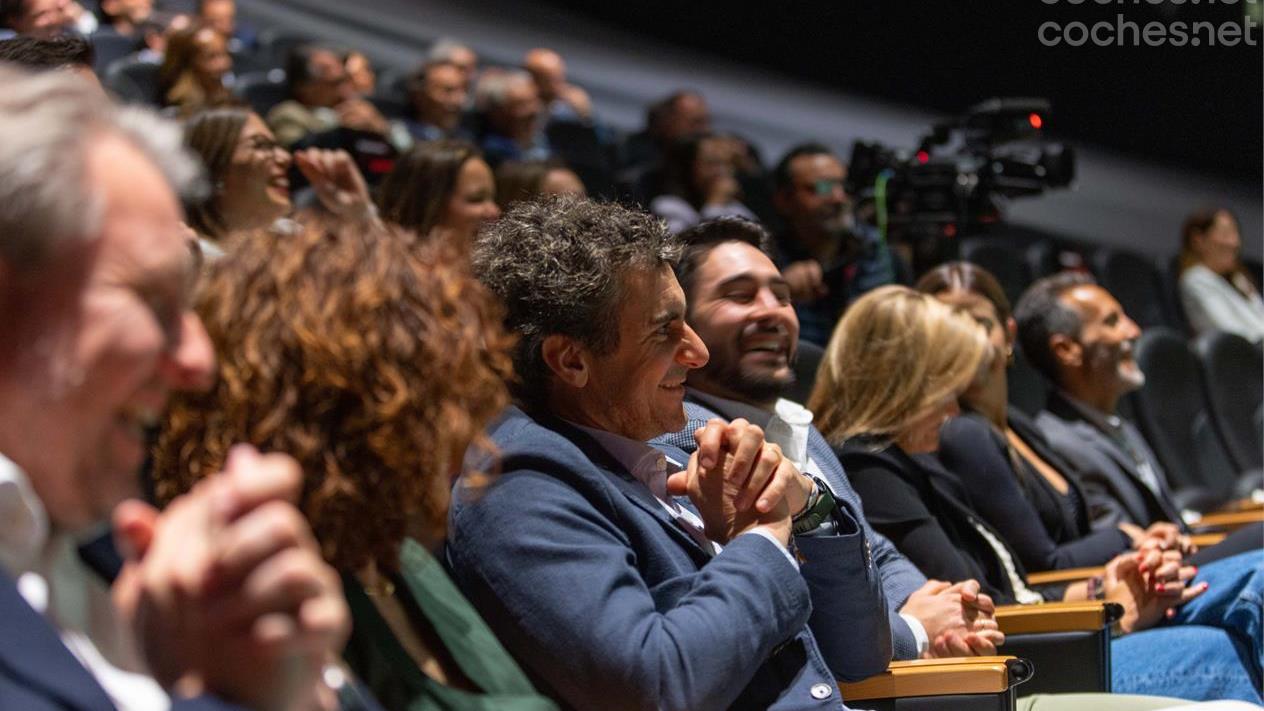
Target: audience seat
[262, 90]
[392, 106]
[1134, 282]
[252, 60]
[1067, 643]
[958, 684]
[1028, 389]
[577, 145]
[1171, 412]
[1047, 257]
[1232, 373]
[108, 47]
[275, 45]
[1170, 270]
[1003, 259]
[134, 81]
[806, 362]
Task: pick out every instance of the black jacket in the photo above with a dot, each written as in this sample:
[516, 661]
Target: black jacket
[1048, 530]
[928, 513]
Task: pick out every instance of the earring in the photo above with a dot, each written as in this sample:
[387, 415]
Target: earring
[1009, 356]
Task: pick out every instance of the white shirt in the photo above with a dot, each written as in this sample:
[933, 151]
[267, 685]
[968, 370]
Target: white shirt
[1212, 303]
[649, 466]
[56, 583]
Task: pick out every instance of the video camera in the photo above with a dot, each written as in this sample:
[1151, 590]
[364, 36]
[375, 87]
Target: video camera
[960, 172]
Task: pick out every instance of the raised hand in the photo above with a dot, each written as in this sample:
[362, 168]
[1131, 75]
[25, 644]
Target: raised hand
[337, 181]
[806, 280]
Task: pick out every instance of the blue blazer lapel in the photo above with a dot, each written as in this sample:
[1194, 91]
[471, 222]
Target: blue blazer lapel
[622, 479]
[33, 654]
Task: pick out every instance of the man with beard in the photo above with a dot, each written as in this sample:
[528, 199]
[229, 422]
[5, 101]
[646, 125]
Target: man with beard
[1076, 334]
[739, 304]
[826, 257]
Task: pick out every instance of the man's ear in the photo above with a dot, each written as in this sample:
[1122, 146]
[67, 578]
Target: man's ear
[1066, 351]
[567, 358]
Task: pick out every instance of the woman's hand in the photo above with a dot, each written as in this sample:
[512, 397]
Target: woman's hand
[337, 182]
[1149, 585]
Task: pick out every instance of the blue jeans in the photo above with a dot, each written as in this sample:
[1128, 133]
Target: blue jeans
[1211, 648]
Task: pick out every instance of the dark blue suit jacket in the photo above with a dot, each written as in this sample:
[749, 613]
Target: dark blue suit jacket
[609, 604]
[38, 673]
[899, 576]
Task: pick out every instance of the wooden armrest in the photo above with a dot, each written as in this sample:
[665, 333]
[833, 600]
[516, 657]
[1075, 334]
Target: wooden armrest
[933, 677]
[1206, 540]
[1227, 521]
[1087, 616]
[1066, 575]
[1240, 505]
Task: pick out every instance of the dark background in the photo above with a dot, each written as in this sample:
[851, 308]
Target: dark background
[1191, 107]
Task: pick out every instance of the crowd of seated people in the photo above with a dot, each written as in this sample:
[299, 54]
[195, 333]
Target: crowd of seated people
[440, 431]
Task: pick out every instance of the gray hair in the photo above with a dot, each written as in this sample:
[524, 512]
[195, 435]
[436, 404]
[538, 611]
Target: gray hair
[559, 265]
[443, 50]
[493, 87]
[1041, 315]
[49, 120]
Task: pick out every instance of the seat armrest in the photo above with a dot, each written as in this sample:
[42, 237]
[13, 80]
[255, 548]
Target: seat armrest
[1083, 616]
[937, 677]
[1065, 575]
[1228, 521]
[1207, 540]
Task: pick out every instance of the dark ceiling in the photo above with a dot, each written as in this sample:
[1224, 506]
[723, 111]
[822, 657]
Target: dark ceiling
[1196, 107]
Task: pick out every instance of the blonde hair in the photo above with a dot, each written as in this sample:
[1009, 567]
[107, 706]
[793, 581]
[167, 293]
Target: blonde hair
[894, 356]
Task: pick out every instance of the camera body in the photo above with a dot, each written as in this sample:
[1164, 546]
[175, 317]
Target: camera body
[956, 180]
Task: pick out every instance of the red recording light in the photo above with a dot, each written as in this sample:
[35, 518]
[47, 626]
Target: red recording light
[923, 157]
[1035, 121]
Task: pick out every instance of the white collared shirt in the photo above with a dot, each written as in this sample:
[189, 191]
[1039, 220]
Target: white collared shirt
[56, 583]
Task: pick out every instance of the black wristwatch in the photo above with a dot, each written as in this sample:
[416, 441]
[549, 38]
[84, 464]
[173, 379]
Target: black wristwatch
[818, 510]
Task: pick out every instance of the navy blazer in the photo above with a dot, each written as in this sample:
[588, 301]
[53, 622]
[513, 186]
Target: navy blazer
[610, 604]
[38, 673]
[1107, 472]
[900, 578]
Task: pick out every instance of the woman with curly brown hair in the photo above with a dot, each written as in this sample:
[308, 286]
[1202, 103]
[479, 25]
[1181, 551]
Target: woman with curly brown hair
[374, 360]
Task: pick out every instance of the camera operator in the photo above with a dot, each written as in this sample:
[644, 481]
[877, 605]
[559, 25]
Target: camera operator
[826, 256]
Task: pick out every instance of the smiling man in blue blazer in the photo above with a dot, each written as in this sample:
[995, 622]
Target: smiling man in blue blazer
[610, 592]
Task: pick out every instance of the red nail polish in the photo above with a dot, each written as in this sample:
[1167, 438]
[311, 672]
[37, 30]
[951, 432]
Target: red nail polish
[1159, 587]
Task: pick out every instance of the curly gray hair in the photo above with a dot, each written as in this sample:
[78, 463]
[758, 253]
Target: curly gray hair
[560, 265]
